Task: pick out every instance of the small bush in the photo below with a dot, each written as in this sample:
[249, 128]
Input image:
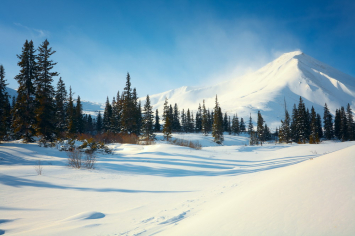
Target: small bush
[39, 168]
[74, 158]
[186, 143]
[90, 160]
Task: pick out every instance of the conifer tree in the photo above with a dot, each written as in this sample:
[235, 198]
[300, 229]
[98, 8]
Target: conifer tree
[107, 116]
[176, 119]
[184, 127]
[260, 127]
[188, 121]
[157, 123]
[89, 125]
[294, 133]
[79, 116]
[99, 123]
[4, 106]
[204, 119]
[343, 125]
[61, 107]
[198, 120]
[147, 121]
[319, 126]
[217, 128]
[285, 129]
[235, 125]
[114, 126]
[71, 118]
[24, 117]
[314, 137]
[267, 133]
[45, 110]
[242, 125]
[328, 123]
[167, 127]
[302, 122]
[137, 113]
[250, 126]
[350, 122]
[225, 123]
[337, 124]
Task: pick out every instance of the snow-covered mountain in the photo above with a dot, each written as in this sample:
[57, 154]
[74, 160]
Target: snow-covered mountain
[287, 78]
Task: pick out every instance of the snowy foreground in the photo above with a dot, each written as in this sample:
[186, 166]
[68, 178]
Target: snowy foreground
[163, 189]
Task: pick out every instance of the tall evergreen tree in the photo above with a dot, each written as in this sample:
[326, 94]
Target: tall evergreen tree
[343, 125]
[4, 105]
[351, 124]
[128, 118]
[204, 119]
[157, 123]
[319, 126]
[260, 127]
[99, 123]
[242, 125]
[107, 116]
[285, 129]
[24, 117]
[250, 126]
[294, 133]
[314, 137]
[302, 122]
[328, 123]
[217, 128]
[337, 124]
[167, 127]
[198, 120]
[80, 124]
[147, 122]
[176, 119]
[235, 125]
[45, 110]
[225, 123]
[61, 107]
[71, 118]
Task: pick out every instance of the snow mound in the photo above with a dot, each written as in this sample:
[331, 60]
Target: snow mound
[91, 215]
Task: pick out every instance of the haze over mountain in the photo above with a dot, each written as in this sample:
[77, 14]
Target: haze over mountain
[287, 78]
[290, 76]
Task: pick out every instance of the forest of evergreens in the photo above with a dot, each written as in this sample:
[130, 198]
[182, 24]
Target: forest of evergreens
[41, 110]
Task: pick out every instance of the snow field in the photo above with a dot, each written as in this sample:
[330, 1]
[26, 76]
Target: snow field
[165, 189]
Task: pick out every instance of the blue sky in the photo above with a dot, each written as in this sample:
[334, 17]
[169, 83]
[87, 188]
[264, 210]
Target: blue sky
[169, 44]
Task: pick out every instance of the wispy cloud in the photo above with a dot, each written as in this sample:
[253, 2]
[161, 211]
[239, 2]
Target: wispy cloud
[34, 32]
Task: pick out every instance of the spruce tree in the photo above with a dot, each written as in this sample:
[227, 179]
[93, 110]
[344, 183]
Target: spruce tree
[147, 121]
[225, 123]
[176, 119]
[204, 119]
[71, 118]
[328, 123]
[167, 127]
[184, 127]
[4, 105]
[242, 125]
[343, 125]
[107, 116]
[351, 124]
[157, 123]
[319, 126]
[235, 125]
[61, 107]
[198, 120]
[250, 126]
[79, 116]
[23, 113]
[285, 129]
[337, 124]
[260, 127]
[294, 133]
[217, 128]
[314, 137]
[302, 122]
[99, 123]
[45, 110]
[129, 117]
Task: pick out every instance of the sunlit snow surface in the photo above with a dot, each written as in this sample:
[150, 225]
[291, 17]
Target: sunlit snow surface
[274, 189]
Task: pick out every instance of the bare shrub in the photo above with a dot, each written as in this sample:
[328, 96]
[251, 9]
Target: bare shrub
[90, 160]
[186, 143]
[109, 137]
[74, 158]
[39, 168]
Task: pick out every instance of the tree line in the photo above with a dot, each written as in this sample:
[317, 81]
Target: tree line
[41, 110]
[306, 126]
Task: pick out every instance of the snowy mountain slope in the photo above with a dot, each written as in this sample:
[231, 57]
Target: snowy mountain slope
[290, 76]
